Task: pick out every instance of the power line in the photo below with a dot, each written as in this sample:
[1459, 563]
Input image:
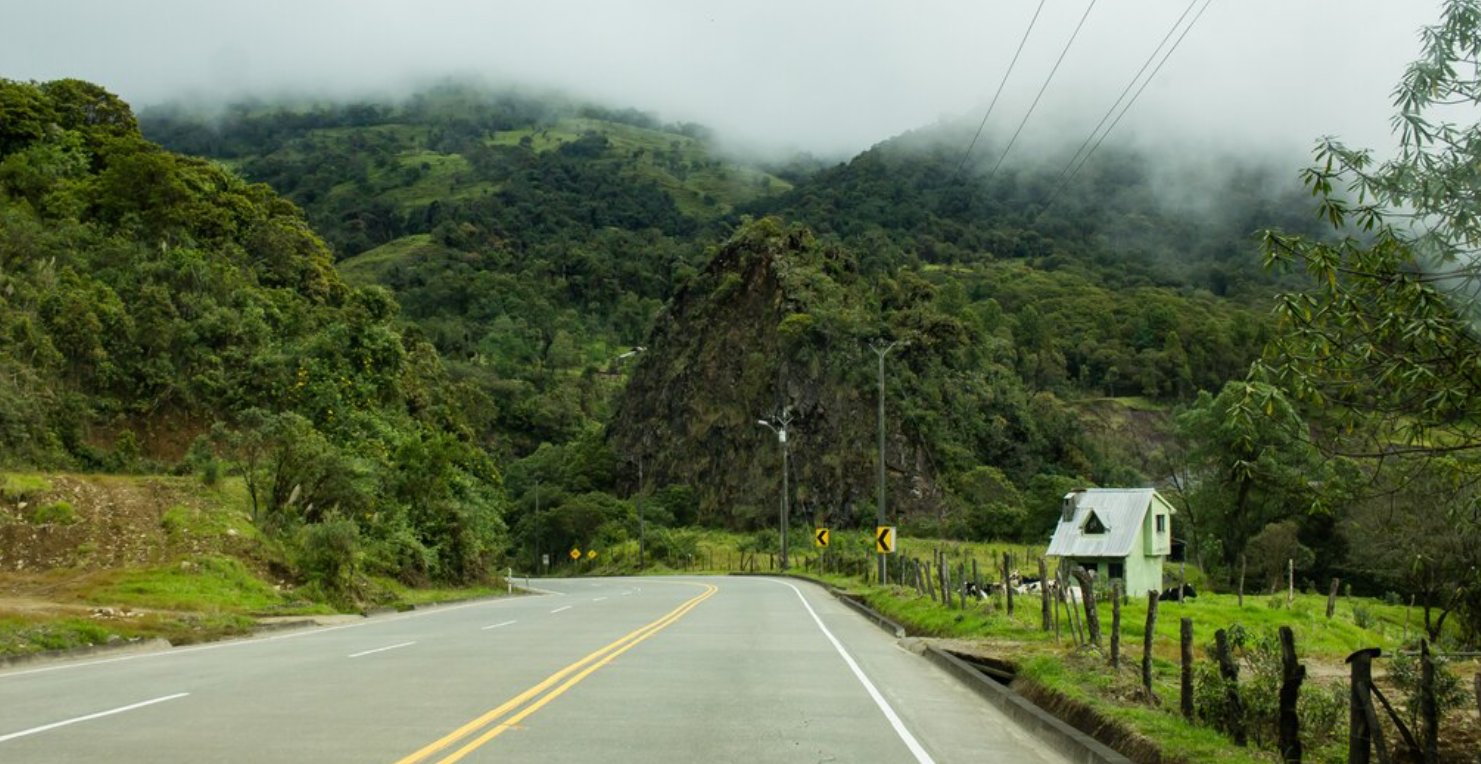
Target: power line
[1004, 81]
[1129, 85]
[1117, 121]
[1042, 88]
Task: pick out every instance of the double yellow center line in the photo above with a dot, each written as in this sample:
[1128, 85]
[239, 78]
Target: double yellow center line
[494, 723]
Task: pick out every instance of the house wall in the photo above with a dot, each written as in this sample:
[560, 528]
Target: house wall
[1152, 542]
[1143, 573]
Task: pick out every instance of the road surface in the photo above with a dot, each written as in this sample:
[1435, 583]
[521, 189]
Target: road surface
[677, 669]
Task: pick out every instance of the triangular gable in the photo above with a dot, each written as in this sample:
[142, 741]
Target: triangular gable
[1092, 525]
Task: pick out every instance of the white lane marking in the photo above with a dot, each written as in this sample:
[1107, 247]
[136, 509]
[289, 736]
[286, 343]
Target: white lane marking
[382, 649]
[598, 599]
[557, 610]
[884, 705]
[256, 640]
[89, 717]
[497, 625]
[538, 590]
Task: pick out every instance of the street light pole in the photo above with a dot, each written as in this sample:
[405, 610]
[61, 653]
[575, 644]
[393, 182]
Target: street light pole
[881, 350]
[780, 428]
[642, 527]
[539, 561]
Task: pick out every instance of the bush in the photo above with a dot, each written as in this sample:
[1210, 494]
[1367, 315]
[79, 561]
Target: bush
[329, 553]
[1363, 617]
[56, 513]
[1450, 693]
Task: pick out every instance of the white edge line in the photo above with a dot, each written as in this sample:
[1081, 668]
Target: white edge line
[557, 610]
[90, 717]
[382, 649]
[253, 640]
[497, 625]
[884, 705]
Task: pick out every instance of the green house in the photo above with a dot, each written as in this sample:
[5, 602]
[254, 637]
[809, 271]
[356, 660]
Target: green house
[1123, 534]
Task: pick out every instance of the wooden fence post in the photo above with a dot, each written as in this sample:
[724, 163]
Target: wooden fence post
[976, 579]
[1476, 692]
[1147, 636]
[1332, 598]
[1092, 616]
[1243, 563]
[1362, 722]
[1115, 626]
[1229, 671]
[1185, 649]
[1044, 593]
[1290, 584]
[1429, 712]
[930, 583]
[1008, 581]
[1288, 741]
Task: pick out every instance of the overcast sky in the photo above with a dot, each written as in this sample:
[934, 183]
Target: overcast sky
[828, 76]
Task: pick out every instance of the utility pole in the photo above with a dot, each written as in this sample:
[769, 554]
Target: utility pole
[642, 527]
[539, 561]
[880, 349]
[779, 426]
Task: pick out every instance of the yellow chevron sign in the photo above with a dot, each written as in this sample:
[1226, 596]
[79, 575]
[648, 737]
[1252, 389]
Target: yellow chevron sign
[820, 537]
[884, 539]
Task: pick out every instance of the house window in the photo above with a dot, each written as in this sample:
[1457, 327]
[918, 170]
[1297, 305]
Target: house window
[1117, 570]
[1162, 523]
[1093, 525]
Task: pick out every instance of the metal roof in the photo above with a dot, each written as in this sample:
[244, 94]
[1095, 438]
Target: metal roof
[1121, 510]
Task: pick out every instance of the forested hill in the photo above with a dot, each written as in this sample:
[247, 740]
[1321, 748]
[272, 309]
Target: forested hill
[533, 240]
[1125, 219]
[530, 239]
[158, 312]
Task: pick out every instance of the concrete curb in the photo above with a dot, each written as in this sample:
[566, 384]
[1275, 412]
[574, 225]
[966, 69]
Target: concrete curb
[284, 625]
[47, 656]
[1063, 738]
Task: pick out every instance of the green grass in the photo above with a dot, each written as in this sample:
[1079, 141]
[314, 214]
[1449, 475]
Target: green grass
[182, 522]
[16, 487]
[395, 594]
[370, 267]
[206, 582]
[55, 513]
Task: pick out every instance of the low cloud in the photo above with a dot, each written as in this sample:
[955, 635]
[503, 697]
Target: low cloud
[827, 76]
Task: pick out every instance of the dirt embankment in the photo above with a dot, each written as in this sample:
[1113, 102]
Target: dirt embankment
[113, 522]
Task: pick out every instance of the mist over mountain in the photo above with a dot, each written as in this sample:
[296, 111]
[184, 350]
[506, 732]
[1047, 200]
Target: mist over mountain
[830, 78]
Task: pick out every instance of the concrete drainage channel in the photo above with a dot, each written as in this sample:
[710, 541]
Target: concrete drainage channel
[992, 684]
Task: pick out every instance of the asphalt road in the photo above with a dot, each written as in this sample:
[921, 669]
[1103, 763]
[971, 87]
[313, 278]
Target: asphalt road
[682, 669]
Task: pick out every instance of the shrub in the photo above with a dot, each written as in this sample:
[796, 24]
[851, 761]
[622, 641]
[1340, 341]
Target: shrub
[1450, 693]
[55, 513]
[329, 553]
[1363, 617]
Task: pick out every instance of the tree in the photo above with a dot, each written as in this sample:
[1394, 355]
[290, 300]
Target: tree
[1383, 338]
[1254, 464]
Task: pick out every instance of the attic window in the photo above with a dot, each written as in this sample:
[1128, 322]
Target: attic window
[1162, 523]
[1093, 525]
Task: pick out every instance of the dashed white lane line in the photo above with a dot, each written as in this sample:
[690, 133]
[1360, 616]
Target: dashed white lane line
[89, 717]
[598, 599]
[497, 625]
[382, 649]
[557, 610]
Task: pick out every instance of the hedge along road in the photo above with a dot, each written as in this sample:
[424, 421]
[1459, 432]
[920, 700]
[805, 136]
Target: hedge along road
[645, 670]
